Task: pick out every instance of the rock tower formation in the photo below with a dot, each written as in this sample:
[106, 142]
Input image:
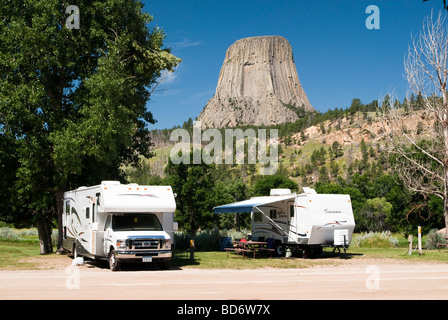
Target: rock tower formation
[258, 85]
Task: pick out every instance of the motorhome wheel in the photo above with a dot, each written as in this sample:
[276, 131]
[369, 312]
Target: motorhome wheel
[113, 262]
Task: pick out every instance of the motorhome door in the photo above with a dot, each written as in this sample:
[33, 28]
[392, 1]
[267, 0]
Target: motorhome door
[87, 226]
[93, 226]
[292, 224]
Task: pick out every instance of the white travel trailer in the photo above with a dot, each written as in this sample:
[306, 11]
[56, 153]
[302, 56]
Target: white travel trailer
[307, 221]
[120, 223]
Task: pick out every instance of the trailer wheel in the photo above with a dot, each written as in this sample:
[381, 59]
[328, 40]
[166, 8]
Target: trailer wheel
[305, 253]
[113, 262]
[279, 249]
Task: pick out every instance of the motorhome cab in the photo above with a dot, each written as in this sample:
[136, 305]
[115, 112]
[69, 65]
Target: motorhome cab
[307, 221]
[120, 223]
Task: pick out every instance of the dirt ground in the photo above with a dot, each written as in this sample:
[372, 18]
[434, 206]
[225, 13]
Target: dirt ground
[355, 279]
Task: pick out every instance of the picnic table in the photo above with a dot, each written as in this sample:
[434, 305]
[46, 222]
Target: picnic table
[443, 244]
[249, 246]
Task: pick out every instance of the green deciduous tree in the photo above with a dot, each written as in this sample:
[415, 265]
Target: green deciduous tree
[232, 191]
[266, 183]
[375, 215]
[194, 185]
[73, 101]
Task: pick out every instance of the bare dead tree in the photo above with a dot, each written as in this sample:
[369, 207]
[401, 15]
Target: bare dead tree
[444, 4]
[421, 159]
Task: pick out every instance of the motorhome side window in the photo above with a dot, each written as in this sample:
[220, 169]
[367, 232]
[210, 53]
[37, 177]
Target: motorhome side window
[87, 213]
[291, 211]
[273, 214]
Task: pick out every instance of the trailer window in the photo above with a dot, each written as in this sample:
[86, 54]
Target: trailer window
[67, 207]
[87, 213]
[132, 221]
[291, 211]
[273, 214]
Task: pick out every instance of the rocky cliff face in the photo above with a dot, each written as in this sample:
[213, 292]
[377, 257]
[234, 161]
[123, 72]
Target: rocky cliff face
[258, 85]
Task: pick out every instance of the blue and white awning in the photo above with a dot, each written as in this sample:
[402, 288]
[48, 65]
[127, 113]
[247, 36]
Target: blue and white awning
[249, 205]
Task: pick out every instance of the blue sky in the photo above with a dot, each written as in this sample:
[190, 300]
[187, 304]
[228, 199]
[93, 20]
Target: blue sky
[337, 57]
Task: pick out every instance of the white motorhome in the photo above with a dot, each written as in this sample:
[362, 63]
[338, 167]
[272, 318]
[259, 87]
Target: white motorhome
[120, 223]
[307, 221]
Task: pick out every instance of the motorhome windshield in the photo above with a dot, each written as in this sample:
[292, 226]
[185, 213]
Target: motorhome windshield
[133, 221]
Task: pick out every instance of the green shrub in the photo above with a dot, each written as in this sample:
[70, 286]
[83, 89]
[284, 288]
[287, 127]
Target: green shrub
[206, 240]
[4, 224]
[25, 235]
[374, 240]
[8, 234]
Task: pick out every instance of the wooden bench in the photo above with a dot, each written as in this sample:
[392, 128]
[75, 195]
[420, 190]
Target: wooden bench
[268, 250]
[237, 250]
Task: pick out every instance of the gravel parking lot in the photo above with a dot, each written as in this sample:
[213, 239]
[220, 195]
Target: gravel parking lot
[353, 279]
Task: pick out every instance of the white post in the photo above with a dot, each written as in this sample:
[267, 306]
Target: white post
[410, 244]
[419, 240]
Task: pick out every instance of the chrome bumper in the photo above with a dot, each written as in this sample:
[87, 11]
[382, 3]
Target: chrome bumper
[138, 255]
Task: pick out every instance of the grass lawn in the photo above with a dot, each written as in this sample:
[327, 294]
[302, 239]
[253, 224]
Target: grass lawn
[219, 260]
[215, 259]
[402, 254]
[21, 255]
[18, 255]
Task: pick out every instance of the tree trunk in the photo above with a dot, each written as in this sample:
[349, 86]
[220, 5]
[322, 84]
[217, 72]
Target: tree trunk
[59, 194]
[44, 230]
[445, 214]
[445, 201]
[444, 125]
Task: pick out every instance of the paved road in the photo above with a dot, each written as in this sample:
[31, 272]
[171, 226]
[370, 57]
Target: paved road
[376, 280]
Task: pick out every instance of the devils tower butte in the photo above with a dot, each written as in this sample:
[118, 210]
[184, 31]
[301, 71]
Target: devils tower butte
[258, 85]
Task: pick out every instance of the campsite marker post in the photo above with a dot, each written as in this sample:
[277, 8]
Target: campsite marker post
[191, 249]
[410, 244]
[420, 240]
